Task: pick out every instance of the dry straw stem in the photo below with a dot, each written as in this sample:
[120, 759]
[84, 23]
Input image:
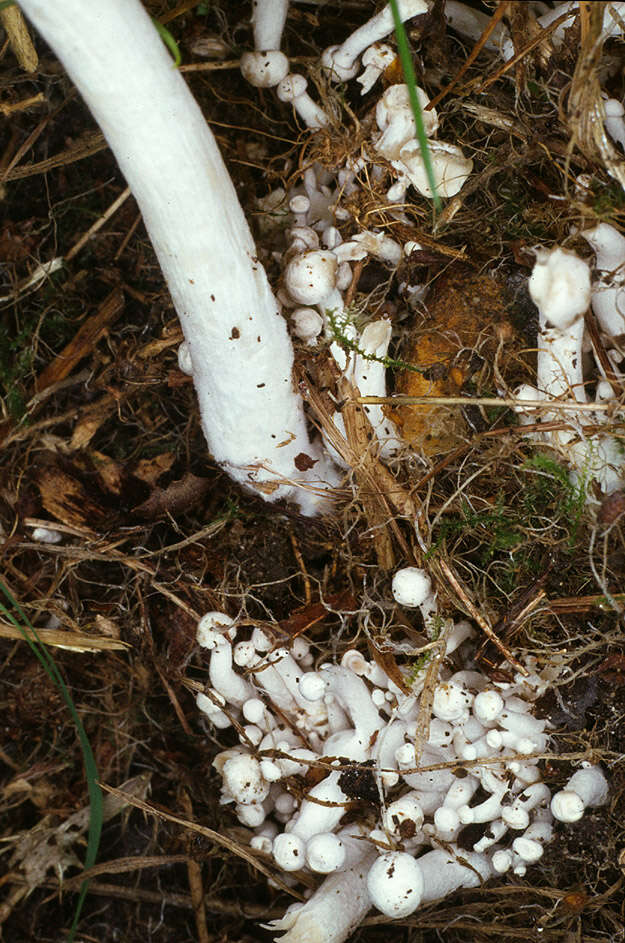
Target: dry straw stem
[237, 848]
[585, 108]
[400, 400]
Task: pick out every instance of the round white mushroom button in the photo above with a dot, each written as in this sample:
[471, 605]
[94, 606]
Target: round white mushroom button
[395, 884]
[325, 853]
[289, 852]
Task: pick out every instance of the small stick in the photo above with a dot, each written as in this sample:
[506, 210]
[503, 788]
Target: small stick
[483, 624]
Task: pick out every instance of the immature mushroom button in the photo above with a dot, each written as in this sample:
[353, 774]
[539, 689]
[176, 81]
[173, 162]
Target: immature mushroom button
[293, 89]
[243, 780]
[586, 787]
[310, 278]
[325, 853]
[395, 884]
[264, 69]
[289, 852]
[403, 817]
[412, 587]
[307, 324]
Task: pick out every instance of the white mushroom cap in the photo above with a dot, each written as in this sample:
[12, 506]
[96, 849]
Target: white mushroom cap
[487, 706]
[264, 69]
[395, 120]
[608, 244]
[560, 287]
[451, 168]
[311, 277]
[46, 535]
[395, 884]
[214, 628]
[447, 823]
[406, 809]
[375, 60]
[586, 787]
[567, 806]
[411, 586]
[312, 686]
[325, 853]
[307, 324]
[451, 702]
[502, 860]
[214, 713]
[251, 815]
[292, 89]
[243, 780]
[289, 852]
[254, 711]
[244, 654]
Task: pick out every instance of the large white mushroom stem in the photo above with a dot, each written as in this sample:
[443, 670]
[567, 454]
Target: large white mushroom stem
[240, 351]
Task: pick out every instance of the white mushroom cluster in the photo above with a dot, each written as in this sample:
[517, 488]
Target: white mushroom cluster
[560, 286]
[333, 774]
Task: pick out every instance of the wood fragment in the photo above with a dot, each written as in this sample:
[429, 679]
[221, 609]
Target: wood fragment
[479, 618]
[19, 38]
[84, 341]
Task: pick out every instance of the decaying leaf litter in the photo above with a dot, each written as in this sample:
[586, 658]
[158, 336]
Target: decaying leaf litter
[102, 444]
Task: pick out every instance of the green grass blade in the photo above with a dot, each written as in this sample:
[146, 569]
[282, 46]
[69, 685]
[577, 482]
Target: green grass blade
[169, 41]
[406, 63]
[91, 770]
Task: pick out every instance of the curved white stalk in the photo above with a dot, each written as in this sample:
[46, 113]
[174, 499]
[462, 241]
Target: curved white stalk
[241, 354]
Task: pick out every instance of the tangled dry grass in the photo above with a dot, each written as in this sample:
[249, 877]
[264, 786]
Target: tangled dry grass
[101, 441]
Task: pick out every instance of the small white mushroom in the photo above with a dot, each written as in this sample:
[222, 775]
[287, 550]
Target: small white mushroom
[608, 295]
[325, 853]
[341, 62]
[375, 60]
[307, 324]
[412, 587]
[266, 66]
[243, 780]
[587, 787]
[292, 89]
[395, 884]
[450, 167]
[289, 852]
[403, 816]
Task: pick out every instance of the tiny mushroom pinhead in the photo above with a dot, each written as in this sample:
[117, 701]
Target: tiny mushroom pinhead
[587, 787]
[395, 884]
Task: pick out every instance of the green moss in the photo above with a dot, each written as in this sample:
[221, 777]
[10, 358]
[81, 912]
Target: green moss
[507, 538]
